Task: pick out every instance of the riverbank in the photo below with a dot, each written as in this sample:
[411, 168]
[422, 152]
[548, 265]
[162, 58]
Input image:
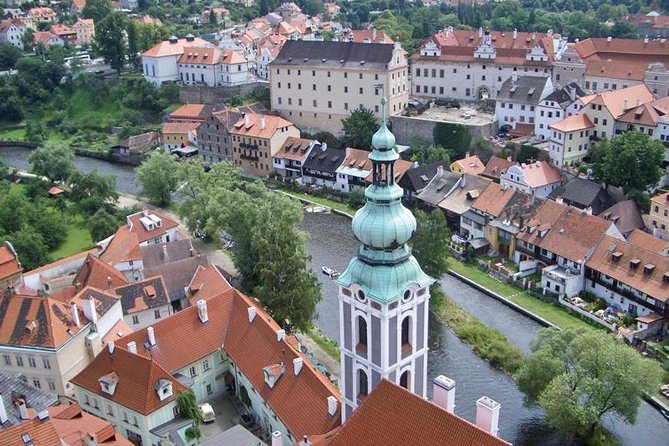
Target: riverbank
[339, 208]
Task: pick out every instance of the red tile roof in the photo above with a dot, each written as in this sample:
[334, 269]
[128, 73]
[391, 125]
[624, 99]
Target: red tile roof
[496, 166]
[137, 375]
[493, 199]
[573, 123]
[136, 226]
[646, 241]
[96, 273]
[295, 149]
[73, 425]
[539, 173]
[252, 125]
[207, 282]
[180, 127]
[251, 346]
[471, 165]
[167, 48]
[193, 112]
[652, 284]
[9, 263]
[619, 101]
[369, 36]
[122, 248]
[625, 53]
[392, 415]
[41, 434]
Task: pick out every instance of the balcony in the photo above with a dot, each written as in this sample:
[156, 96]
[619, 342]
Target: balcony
[249, 157]
[613, 286]
[244, 145]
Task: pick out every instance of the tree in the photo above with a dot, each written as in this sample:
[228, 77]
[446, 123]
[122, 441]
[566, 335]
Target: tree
[425, 153]
[101, 225]
[578, 376]
[52, 160]
[133, 44]
[430, 242]
[30, 247]
[359, 128]
[631, 160]
[356, 199]
[93, 192]
[96, 10]
[188, 408]
[313, 7]
[149, 35]
[212, 17]
[28, 39]
[11, 108]
[9, 55]
[35, 131]
[527, 153]
[158, 177]
[110, 39]
[454, 137]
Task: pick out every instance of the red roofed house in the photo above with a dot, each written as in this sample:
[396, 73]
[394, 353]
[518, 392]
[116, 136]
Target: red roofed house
[367, 36]
[41, 14]
[212, 66]
[538, 178]
[85, 29]
[176, 135]
[47, 39]
[256, 139]
[471, 65]
[11, 30]
[66, 34]
[10, 267]
[470, 164]
[77, 6]
[223, 345]
[288, 161]
[570, 140]
[160, 62]
[151, 227]
[78, 428]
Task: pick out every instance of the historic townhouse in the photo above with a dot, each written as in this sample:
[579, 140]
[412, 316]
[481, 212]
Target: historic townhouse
[288, 161]
[537, 178]
[256, 139]
[570, 140]
[212, 67]
[12, 31]
[317, 84]
[659, 215]
[320, 167]
[160, 63]
[10, 268]
[85, 30]
[517, 101]
[215, 140]
[473, 65]
[649, 118]
[600, 64]
[631, 277]
[553, 108]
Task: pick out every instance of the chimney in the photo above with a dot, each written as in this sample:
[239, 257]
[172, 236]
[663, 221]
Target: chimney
[305, 441]
[109, 281]
[638, 101]
[440, 171]
[332, 406]
[280, 335]
[509, 159]
[132, 347]
[3, 411]
[572, 93]
[247, 120]
[514, 78]
[202, 310]
[75, 315]
[645, 40]
[43, 415]
[324, 146]
[23, 410]
[467, 154]
[515, 33]
[608, 39]
[297, 365]
[89, 310]
[152, 336]
[443, 393]
[262, 123]
[276, 439]
[415, 164]
[588, 210]
[487, 415]
[480, 32]
[373, 34]
[166, 256]
[559, 199]
[463, 181]
[111, 347]
[625, 105]
[252, 313]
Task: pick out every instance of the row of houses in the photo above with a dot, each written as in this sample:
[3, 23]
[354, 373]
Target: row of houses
[82, 32]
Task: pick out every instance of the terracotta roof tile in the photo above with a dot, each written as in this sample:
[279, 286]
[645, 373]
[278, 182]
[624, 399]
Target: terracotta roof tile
[573, 123]
[41, 434]
[496, 166]
[180, 127]
[539, 173]
[137, 379]
[252, 125]
[189, 111]
[646, 241]
[471, 165]
[136, 226]
[207, 282]
[295, 149]
[624, 52]
[123, 247]
[369, 36]
[73, 425]
[619, 101]
[96, 273]
[407, 419]
[9, 263]
[493, 199]
[652, 284]
[167, 48]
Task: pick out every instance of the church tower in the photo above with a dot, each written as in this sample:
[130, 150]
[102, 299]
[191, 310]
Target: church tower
[383, 294]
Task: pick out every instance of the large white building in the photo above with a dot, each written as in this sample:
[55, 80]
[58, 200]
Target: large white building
[317, 84]
[12, 31]
[537, 178]
[570, 140]
[212, 66]
[553, 108]
[473, 65]
[518, 98]
[160, 63]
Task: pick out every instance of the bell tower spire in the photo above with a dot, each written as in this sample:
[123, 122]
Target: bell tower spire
[383, 294]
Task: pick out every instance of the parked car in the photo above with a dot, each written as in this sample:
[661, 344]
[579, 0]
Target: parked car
[207, 413]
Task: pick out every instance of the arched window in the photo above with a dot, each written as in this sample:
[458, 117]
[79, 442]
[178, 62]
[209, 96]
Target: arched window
[406, 336]
[362, 334]
[404, 379]
[363, 384]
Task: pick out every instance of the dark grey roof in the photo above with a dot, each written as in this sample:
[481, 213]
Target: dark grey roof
[170, 430]
[11, 387]
[416, 178]
[519, 91]
[158, 254]
[327, 160]
[132, 294]
[520, 208]
[561, 96]
[311, 53]
[177, 275]
[436, 191]
[625, 215]
[582, 193]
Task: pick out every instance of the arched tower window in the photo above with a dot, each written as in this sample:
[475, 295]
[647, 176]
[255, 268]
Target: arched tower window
[363, 384]
[361, 346]
[404, 379]
[406, 336]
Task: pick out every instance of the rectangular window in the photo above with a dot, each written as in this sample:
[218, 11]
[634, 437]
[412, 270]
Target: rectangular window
[315, 102]
[8, 359]
[441, 73]
[434, 72]
[37, 384]
[156, 313]
[52, 386]
[205, 365]
[19, 361]
[31, 362]
[135, 320]
[417, 72]
[313, 87]
[329, 104]
[192, 372]
[360, 90]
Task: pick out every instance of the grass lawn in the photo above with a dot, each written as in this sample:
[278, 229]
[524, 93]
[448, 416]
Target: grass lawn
[322, 201]
[329, 346]
[12, 134]
[552, 313]
[78, 240]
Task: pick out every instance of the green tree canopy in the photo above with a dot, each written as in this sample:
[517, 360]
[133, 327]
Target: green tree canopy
[92, 191]
[111, 41]
[430, 242]
[359, 128]
[96, 10]
[631, 160]
[133, 43]
[425, 153]
[9, 55]
[158, 177]
[577, 376]
[453, 137]
[101, 225]
[52, 160]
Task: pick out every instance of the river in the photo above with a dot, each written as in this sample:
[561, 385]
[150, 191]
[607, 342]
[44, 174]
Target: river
[332, 243]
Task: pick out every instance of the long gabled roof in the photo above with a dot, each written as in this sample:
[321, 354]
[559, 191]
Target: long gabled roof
[327, 160]
[523, 90]
[41, 434]
[9, 261]
[392, 415]
[137, 378]
[96, 273]
[311, 53]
